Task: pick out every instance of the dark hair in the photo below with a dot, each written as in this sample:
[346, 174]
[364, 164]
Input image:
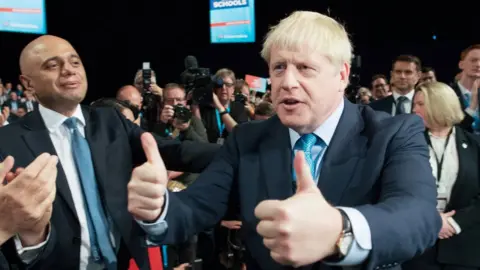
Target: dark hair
[264, 109]
[120, 105]
[379, 76]
[409, 59]
[428, 69]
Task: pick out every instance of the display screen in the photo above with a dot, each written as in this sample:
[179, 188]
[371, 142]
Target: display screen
[232, 21]
[23, 16]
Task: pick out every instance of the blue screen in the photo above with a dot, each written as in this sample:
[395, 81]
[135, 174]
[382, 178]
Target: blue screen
[232, 21]
[23, 16]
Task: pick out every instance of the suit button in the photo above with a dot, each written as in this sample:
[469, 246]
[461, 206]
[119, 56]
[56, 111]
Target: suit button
[76, 240]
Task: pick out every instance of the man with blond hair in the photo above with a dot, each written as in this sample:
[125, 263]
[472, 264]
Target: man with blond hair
[323, 183]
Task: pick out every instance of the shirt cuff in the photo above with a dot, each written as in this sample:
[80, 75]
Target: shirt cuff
[28, 254]
[470, 112]
[159, 227]
[362, 239]
[455, 225]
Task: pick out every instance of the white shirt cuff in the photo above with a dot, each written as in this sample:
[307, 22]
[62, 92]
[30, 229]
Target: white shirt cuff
[28, 254]
[362, 239]
[455, 225]
[158, 228]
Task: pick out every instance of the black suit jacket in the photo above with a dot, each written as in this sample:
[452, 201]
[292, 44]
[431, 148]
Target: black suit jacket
[3, 262]
[385, 105]
[116, 148]
[461, 249]
[375, 163]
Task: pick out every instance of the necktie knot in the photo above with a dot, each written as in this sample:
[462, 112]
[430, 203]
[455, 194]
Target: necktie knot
[71, 123]
[306, 142]
[402, 99]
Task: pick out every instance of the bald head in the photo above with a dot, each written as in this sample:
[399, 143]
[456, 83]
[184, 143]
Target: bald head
[130, 93]
[52, 69]
[36, 47]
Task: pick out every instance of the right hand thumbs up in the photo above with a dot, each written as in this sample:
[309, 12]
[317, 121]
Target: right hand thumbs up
[148, 184]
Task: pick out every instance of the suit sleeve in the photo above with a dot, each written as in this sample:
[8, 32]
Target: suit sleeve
[184, 156]
[205, 202]
[405, 220]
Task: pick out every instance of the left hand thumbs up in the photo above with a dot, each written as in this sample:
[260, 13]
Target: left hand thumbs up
[303, 220]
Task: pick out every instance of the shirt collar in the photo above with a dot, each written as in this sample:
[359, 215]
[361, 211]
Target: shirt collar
[463, 89]
[53, 120]
[324, 131]
[409, 95]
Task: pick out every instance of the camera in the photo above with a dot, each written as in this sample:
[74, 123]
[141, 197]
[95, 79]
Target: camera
[200, 83]
[240, 98]
[182, 114]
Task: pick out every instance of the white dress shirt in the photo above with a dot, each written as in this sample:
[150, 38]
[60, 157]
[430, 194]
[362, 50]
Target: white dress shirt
[464, 92]
[450, 167]
[407, 104]
[61, 139]
[362, 242]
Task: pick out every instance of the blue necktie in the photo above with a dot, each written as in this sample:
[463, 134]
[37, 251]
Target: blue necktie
[305, 144]
[476, 118]
[400, 109]
[102, 249]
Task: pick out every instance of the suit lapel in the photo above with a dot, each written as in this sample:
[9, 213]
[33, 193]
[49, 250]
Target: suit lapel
[38, 141]
[275, 149]
[342, 155]
[464, 156]
[113, 193]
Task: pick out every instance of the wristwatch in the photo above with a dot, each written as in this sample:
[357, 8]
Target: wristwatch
[346, 237]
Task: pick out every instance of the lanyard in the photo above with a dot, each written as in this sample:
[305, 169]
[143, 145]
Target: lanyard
[220, 124]
[439, 161]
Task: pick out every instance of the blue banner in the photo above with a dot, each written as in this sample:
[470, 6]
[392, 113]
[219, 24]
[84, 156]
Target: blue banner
[232, 21]
[23, 16]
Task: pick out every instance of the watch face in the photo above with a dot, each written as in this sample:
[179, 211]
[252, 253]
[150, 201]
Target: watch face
[345, 244]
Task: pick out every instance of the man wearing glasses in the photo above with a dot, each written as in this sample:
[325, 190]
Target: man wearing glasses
[223, 115]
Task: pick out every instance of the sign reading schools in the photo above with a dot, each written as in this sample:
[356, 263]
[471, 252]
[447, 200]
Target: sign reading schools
[218, 4]
[232, 21]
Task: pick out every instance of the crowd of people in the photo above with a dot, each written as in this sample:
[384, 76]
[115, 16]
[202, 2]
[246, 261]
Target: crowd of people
[305, 174]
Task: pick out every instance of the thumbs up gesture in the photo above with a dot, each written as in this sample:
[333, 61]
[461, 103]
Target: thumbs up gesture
[146, 189]
[302, 229]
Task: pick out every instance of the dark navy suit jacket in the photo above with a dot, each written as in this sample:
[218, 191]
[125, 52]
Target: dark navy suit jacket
[375, 163]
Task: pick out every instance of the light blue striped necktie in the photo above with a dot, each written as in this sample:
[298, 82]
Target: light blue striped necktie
[476, 118]
[102, 249]
[305, 144]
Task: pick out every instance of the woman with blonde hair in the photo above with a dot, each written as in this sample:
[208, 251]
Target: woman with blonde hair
[454, 158]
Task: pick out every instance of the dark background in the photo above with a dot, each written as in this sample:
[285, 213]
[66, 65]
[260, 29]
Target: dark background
[114, 37]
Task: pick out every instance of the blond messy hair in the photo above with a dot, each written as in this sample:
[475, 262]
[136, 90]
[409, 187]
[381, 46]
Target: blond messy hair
[315, 31]
[442, 106]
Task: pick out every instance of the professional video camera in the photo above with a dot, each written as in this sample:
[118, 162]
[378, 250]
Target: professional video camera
[354, 85]
[198, 81]
[150, 100]
[182, 114]
[240, 98]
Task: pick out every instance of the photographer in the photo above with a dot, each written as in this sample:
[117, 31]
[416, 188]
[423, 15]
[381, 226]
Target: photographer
[242, 95]
[151, 98]
[222, 115]
[176, 121]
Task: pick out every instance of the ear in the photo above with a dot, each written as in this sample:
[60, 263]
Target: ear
[461, 65]
[27, 83]
[344, 75]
